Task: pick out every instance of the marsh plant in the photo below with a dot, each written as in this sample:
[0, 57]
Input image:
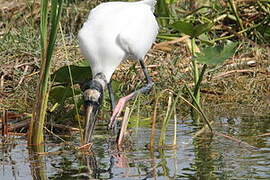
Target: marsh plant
[49, 19]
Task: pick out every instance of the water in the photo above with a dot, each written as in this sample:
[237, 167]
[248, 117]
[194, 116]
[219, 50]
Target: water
[194, 158]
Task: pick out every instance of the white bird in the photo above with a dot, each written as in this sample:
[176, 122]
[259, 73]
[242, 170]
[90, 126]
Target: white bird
[113, 32]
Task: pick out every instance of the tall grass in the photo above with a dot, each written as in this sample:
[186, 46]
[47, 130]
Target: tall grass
[48, 32]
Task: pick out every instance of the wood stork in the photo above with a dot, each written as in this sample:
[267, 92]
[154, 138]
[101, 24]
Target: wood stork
[113, 32]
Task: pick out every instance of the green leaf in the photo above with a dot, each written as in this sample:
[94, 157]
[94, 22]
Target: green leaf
[216, 54]
[202, 28]
[59, 94]
[79, 73]
[190, 29]
[56, 10]
[183, 27]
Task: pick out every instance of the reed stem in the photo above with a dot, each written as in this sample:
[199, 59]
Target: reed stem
[47, 42]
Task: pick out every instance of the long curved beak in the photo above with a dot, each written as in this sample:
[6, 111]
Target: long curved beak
[90, 121]
[92, 103]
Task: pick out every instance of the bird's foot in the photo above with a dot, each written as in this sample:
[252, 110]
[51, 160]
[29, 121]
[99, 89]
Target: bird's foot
[118, 109]
[116, 112]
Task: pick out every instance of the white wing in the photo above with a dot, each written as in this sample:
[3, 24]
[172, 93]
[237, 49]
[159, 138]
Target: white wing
[140, 31]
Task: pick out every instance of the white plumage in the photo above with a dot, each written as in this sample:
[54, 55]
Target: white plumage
[113, 32]
[116, 30]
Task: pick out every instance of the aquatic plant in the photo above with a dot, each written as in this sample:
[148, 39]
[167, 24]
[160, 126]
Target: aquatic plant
[48, 32]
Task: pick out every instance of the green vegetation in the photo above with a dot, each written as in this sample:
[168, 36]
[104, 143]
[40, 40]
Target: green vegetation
[48, 32]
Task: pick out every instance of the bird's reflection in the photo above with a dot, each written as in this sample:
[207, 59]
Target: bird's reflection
[94, 170]
[117, 159]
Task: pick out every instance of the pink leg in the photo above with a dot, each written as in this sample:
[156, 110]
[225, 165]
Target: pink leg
[122, 101]
[119, 107]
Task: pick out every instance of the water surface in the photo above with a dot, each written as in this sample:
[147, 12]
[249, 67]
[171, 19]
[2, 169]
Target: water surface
[203, 157]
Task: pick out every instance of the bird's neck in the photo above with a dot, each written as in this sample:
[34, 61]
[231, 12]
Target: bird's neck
[101, 79]
[93, 91]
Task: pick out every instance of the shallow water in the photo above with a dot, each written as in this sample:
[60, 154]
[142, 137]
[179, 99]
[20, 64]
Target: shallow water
[202, 157]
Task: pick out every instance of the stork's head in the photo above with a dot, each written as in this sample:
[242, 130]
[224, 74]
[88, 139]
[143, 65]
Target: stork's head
[93, 96]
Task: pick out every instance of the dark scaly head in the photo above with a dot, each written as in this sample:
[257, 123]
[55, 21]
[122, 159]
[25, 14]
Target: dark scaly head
[93, 97]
